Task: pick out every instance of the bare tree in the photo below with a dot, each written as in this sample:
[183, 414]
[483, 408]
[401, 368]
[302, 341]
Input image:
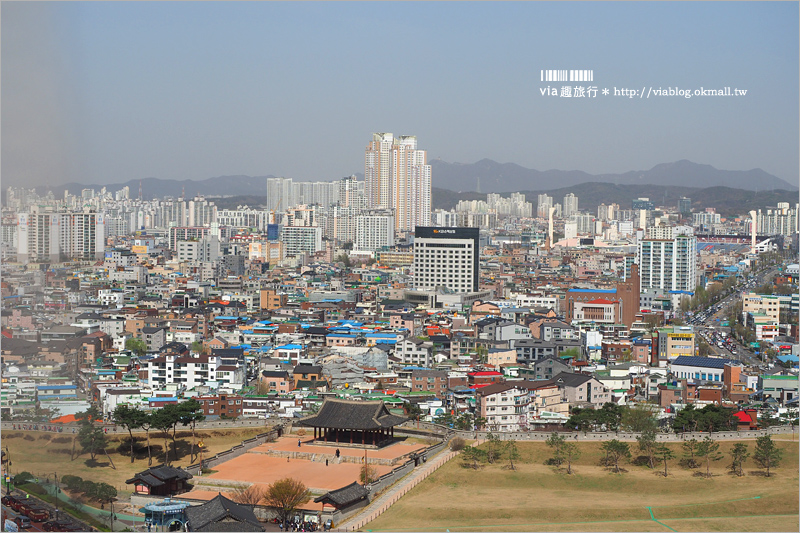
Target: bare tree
[286, 495]
[249, 495]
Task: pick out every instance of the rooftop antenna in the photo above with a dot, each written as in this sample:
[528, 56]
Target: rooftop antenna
[140, 190]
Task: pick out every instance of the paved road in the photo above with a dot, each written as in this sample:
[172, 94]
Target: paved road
[61, 515]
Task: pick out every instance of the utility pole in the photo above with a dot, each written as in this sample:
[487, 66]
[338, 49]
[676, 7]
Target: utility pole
[56, 494]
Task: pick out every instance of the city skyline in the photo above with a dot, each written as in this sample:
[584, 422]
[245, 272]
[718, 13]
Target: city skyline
[107, 92]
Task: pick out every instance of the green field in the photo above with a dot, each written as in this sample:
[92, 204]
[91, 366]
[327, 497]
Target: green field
[537, 497]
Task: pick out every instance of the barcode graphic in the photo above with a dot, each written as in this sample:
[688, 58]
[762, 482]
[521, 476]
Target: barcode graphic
[567, 75]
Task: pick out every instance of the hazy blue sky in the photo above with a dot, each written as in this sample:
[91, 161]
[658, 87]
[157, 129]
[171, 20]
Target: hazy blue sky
[98, 92]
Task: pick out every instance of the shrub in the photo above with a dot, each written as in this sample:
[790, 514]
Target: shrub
[457, 444]
[23, 477]
[86, 487]
[65, 451]
[29, 438]
[72, 482]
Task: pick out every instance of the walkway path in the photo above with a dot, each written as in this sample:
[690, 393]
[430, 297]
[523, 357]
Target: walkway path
[397, 491]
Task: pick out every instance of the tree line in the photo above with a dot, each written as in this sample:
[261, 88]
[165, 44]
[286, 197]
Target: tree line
[696, 453]
[93, 439]
[164, 420]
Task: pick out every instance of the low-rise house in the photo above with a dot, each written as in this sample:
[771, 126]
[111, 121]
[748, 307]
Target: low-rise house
[154, 337]
[277, 381]
[221, 406]
[582, 389]
[308, 376]
[430, 381]
[548, 368]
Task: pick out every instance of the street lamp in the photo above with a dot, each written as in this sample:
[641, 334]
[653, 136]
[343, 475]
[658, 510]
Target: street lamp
[56, 491]
[8, 472]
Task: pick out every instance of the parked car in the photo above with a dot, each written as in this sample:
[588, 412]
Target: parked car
[38, 514]
[56, 525]
[16, 504]
[8, 499]
[23, 522]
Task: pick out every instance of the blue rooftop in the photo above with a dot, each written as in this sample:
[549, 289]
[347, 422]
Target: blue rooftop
[707, 362]
[289, 347]
[603, 291]
[55, 387]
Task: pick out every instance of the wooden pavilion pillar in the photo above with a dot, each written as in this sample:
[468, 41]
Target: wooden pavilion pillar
[351, 436]
[373, 437]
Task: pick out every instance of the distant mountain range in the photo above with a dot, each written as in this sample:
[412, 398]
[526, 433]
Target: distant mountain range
[729, 191]
[510, 177]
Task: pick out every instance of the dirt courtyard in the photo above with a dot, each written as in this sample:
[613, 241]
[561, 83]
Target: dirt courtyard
[256, 466]
[307, 445]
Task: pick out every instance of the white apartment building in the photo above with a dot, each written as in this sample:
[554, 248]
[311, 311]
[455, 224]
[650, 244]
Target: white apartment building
[55, 236]
[187, 371]
[374, 230]
[446, 257]
[414, 351]
[781, 220]
[570, 205]
[534, 301]
[669, 264]
[299, 239]
[706, 219]
[243, 218]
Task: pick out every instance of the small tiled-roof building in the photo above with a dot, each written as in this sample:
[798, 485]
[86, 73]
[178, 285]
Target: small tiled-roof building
[346, 499]
[221, 514]
[161, 481]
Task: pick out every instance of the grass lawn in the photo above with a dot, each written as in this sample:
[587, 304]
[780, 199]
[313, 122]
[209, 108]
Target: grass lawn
[44, 453]
[537, 497]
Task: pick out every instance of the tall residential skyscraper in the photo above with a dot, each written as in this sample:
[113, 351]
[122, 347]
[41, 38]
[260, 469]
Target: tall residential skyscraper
[544, 205]
[397, 176]
[685, 206]
[570, 205]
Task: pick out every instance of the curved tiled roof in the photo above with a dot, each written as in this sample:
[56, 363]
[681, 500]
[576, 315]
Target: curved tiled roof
[352, 414]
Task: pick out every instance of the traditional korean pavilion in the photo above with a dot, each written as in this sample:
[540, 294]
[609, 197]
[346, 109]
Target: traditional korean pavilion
[353, 422]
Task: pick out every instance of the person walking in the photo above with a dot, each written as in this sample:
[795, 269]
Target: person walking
[298, 443]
